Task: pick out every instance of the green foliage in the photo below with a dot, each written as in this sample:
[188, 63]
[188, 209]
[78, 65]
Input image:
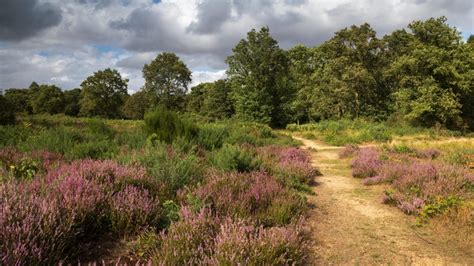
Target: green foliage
[438, 206]
[19, 99]
[72, 99]
[171, 210]
[167, 77]
[168, 126]
[7, 116]
[212, 136]
[234, 157]
[258, 73]
[47, 99]
[174, 170]
[103, 94]
[136, 105]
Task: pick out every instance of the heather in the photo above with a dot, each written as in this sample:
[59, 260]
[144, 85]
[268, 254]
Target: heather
[202, 239]
[421, 181]
[69, 184]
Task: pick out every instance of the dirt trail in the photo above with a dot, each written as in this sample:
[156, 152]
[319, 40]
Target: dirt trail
[351, 226]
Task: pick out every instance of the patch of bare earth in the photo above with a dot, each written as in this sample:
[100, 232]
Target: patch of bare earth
[351, 226]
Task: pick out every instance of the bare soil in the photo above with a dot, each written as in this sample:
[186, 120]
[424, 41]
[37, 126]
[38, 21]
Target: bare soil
[350, 225]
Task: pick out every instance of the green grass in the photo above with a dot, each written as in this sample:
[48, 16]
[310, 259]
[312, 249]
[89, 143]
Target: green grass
[358, 131]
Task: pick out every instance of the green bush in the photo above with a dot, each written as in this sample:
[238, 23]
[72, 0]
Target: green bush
[174, 169]
[212, 136]
[7, 116]
[234, 157]
[167, 125]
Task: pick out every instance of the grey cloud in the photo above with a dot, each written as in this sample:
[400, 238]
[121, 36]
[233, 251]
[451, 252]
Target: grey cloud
[20, 19]
[211, 15]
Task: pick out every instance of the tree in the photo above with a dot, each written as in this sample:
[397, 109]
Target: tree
[217, 101]
[433, 77]
[7, 115]
[72, 100]
[47, 99]
[168, 78]
[258, 73]
[195, 99]
[137, 104]
[351, 81]
[19, 100]
[103, 94]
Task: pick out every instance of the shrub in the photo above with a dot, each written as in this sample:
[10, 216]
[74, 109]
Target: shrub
[7, 114]
[348, 151]
[233, 157]
[212, 136]
[291, 165]
[188, 241]
[202, 239]
[366, 163]
[46, 218]
[167, 125]
[240, 243]
[175, 170]
[255, 196]
[132, 209]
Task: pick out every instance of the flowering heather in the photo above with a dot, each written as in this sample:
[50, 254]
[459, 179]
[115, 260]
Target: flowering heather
[133, 208]
[252, 195]
[348, 151]
[428, 153]
[241, 243]
[188, 241]
[292, 165]
[367, 163]
[43, 217]
[201, 238]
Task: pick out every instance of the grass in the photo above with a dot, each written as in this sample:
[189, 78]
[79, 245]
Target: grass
[359, 131]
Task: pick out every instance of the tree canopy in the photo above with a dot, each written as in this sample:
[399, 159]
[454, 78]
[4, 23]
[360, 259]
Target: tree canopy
[103, 94]
[168, 78]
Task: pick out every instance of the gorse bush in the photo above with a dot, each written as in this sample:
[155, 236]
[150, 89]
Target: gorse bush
[234, 157]
[168, 126]
[174, 169]
[212, 136]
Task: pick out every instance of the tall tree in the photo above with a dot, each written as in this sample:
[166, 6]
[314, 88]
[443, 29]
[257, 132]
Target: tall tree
[72, 100]
[433, 76]
[7, 115]
[258, 74]
[137, 104]
[168, 78]
[352, 79]
[47, 99]
[218, 103]
[19, 100]
[103, 94]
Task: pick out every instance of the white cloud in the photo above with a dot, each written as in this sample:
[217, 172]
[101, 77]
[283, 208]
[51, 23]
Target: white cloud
[201, 32]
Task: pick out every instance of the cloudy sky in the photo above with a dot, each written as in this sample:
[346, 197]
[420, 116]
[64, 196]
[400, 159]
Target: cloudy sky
[63, 41]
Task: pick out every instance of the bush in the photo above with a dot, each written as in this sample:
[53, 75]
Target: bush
[45, 219]
[7, 115]
[203, 239]
[233, 157]
[366, 163]
[255, 196]
[167, 125]
[174, 169]
[212, 136]
[132, 209]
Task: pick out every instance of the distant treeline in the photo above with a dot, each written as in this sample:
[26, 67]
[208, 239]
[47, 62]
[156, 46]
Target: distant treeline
[423, 75]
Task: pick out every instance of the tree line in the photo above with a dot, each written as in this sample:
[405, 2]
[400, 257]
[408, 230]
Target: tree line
[423, 74]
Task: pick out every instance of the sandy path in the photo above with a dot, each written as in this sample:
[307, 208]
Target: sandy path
[350, 226]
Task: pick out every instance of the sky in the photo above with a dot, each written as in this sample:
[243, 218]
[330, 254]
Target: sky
[62, 42]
